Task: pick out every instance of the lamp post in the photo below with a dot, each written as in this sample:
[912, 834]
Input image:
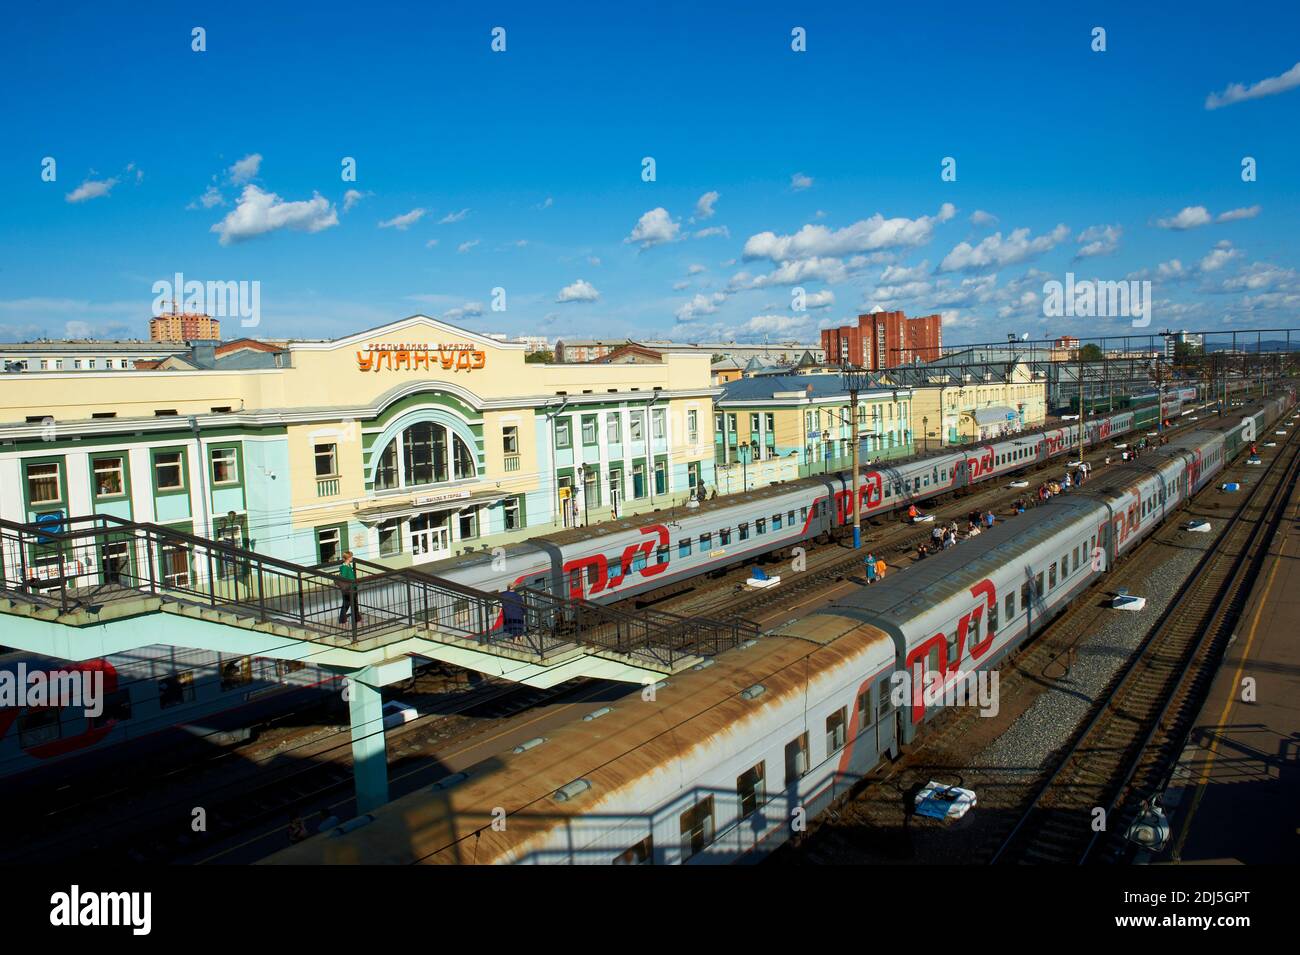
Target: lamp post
[925, 432]
[586, 503]
[826, 443]
[743, 449]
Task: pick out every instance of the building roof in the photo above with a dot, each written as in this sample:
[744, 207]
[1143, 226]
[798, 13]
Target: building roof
[790, 387]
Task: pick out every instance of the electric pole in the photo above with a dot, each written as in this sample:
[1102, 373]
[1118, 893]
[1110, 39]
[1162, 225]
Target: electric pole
[853, 381]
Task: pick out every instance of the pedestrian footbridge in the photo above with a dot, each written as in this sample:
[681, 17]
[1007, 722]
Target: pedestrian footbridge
[82, 588]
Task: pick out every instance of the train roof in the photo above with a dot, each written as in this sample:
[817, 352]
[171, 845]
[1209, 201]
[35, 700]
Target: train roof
[902, 597]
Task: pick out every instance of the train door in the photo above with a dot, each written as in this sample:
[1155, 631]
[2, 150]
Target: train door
[886, 716]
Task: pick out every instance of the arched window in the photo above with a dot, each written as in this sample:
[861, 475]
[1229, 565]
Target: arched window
[424, 458]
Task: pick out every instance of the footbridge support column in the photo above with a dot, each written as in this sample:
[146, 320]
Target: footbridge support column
[365, 706]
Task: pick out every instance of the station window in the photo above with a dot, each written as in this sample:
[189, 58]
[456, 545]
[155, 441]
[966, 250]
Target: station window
[750, 786]
[562, 438]
[168, 471]
[512, 514]
[109, 476]
[697, 827]
[390, 538]
[468, 525]
[836, 730]
[796, 759]
[510, 439]
[327, 460]
[643, 853]
[684, 547]
[225, 465]
[329, 545]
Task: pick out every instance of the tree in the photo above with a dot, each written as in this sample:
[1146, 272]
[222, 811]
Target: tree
[543, 357]
[1090, 352]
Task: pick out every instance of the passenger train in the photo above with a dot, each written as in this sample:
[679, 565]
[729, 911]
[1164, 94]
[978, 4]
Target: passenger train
[620, 559]
[606, 562]
[724, 762]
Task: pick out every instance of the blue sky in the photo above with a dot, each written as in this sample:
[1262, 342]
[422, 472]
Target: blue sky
[523, 169]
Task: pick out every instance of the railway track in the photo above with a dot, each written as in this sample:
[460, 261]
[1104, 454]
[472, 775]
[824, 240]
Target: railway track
[1124, 752]
[874, 824]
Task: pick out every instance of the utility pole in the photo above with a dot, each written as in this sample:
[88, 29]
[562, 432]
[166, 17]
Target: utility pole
[853, 381]
[1083, 405]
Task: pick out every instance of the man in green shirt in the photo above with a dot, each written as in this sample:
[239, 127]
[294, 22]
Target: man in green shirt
[348, 573]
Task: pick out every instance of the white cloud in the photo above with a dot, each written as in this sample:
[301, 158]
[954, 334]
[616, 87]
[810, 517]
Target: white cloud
[593, 260]
[92, 189]
[679, 286]
[1271, 86]
[799, 181]
[894, 274]
[775, 324]
[1219, 256]
[866, 235]
[451, 217]
[1232, 215]
[468, 310]
[246, 168]
[695, 270]
[721, 230]
[466, 246]
[431, 243]
[1190, 217]
[352, 197]
[656, 227]
[1098, 240]
[579, 291]
[997, 252]
[700, 305]
[402, 222]
[704, 205]
[210, 198]
[979, 218]
[259, 212]
[791, 273]
[822, 299]
[546, 204]
[1262, 277]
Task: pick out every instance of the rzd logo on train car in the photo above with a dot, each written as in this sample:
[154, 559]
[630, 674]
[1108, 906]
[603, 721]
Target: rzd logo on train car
[596, 567]
[869, 496]
[982, 465]
[926, 682]
[96, 727]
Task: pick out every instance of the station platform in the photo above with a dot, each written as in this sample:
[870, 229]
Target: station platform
[1234, 796]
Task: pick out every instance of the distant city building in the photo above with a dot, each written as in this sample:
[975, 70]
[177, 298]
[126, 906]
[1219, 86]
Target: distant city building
[84, 355]
[531, 343]
[884, 340]
[1065, 348]
[1194, 341]
[586, 349]
[184, 327]
[773, 354]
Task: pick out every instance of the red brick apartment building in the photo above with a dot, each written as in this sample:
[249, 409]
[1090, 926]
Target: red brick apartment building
[884, 340]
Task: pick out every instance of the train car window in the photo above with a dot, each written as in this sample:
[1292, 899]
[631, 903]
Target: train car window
[744, 531]
[117, 706]
[952, 645]
[1075, 555]
[638, 561]
[1010, 605]
[803, 513]
[1065, 566]
[1038, 583]
[684, 548]
[836, 730]
[236, 673]
[884, 700]
[776, 522]
[593, 574]
[760, 526]
[38, 725]
[864, 711]
[643, 853]
[706, 541]
[932, 659]
[697, 827]
[789, 517]
[993, 618]
[724, 536]
[177, 689]
[1051, 576]
[661, 554]
[796, 759]
[750, 789]
[1024, 597]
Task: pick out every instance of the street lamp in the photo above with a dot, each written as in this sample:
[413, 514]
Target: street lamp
[586, 501]
[826, 443]
[925, 431]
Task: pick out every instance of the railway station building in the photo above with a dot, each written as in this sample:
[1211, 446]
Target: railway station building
[405, 443]
[771, 428]
[953, 407]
